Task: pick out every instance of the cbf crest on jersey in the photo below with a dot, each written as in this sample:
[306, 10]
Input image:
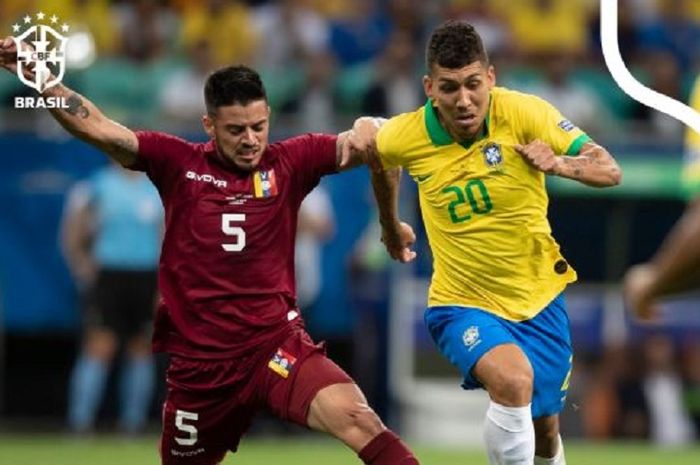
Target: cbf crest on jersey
[265, 183]
[493, 155]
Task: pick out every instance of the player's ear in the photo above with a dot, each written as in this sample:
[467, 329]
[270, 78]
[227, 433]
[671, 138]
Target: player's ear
[491, 74]
[428, 86]
[208, 123]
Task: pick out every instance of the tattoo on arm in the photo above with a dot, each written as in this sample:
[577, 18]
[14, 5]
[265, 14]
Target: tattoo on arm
[76, 106]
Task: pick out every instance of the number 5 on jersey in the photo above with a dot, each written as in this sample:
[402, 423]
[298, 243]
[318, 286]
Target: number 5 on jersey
[191, 430]
[228, 221]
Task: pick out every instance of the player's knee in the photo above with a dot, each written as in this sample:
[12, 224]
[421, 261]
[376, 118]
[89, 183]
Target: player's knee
[514, 388]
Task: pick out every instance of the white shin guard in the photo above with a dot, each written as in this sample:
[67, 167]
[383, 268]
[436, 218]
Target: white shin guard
[558, 459]
[509, 435]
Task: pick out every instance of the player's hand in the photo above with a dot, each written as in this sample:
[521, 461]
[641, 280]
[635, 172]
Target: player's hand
[637, 290]
[362, 139]
[398, 242]
[8, 57]
[539, 155]
[8, 54]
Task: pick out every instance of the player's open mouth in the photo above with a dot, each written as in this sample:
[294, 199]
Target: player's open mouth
[466, 119]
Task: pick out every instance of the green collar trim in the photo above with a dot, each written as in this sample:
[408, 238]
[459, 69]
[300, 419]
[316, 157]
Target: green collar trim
[439, 135]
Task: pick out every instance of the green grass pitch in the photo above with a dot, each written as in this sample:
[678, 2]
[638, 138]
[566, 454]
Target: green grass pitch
[109, 450]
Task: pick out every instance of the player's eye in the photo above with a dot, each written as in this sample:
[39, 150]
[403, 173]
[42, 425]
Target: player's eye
[449, 88]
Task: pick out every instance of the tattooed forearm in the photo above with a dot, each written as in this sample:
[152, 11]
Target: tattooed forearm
[86, 122]
[594, 166]
[76, 106]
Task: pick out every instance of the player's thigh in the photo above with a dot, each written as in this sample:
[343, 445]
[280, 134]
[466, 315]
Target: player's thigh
[293, 376]
[480, 345]
[200, 427]
[547, 343]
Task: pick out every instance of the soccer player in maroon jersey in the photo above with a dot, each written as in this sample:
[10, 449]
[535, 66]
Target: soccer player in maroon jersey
[228, 316]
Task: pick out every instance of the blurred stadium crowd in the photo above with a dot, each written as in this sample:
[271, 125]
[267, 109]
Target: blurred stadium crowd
[324, 62]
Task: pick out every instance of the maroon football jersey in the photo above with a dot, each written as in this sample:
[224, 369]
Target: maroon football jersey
[226, 272]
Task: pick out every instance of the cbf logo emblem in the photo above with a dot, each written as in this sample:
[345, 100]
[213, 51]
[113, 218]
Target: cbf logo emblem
[492, 155]
[471, 337]
[41, 58]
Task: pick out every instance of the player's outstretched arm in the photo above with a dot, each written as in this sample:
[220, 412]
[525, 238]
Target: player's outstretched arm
[82, 119]
[357, 146]
[593, 166]
[675, 268]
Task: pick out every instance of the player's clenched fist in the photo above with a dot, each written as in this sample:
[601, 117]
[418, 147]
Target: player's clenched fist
[539, 155]
[8, 54]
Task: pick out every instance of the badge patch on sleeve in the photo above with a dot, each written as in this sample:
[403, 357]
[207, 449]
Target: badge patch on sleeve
[282, 363]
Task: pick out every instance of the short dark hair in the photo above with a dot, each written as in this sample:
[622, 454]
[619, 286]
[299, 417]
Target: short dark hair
[233, 85]
[454, 44]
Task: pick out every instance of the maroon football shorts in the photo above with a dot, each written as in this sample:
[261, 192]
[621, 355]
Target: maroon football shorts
[210, 403]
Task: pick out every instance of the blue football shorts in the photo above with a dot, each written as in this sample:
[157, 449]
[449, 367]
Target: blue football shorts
[465, 334]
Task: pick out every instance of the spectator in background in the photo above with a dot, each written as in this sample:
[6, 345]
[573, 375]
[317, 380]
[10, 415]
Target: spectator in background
[545, 26]
[674, 32]
[669, 424]
[361, 34]
[576, 101]
[111, 237]
[315, 226]
[178, 103]
[664, 76]
[226, 24]
[675, 267]
[145, 29]
[290, 32]
[312, 108]
[691, 376]
[394, 89]
[92, 16]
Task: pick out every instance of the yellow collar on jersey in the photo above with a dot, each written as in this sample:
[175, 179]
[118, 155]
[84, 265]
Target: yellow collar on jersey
[439, 135]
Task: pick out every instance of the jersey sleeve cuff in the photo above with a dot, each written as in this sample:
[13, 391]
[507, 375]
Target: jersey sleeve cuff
[576, 145]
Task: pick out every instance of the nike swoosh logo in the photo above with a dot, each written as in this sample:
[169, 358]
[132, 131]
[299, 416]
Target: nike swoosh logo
[422, 178]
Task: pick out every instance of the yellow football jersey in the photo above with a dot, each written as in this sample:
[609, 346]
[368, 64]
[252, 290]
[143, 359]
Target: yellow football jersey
[484, 207]
[691, 164]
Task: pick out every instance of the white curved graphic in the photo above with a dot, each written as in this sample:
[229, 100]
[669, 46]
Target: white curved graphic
[627, 82]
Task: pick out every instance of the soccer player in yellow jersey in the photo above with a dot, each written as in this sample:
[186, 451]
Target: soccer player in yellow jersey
[676, 266]
[479, 155]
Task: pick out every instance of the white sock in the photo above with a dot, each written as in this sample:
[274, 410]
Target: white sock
[558, 459]
[509, 435]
